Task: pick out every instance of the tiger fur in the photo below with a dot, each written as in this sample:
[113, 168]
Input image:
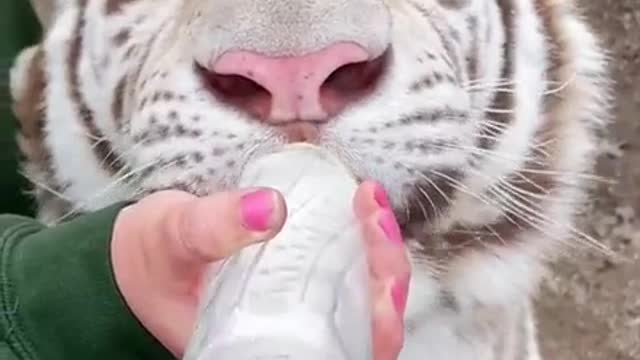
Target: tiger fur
[482, 128]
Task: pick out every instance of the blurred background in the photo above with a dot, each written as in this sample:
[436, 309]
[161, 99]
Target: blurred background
[18, 28]
[590, 309]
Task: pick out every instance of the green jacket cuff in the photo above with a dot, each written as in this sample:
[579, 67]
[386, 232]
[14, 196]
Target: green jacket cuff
[59, 296]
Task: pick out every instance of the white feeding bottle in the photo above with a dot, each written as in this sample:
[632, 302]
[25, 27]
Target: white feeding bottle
[304, 294]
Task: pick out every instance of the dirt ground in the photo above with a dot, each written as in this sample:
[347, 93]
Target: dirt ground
[590, 309]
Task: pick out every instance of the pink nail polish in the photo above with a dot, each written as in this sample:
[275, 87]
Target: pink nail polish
[399, 293]
[257, 209]
[390, 227]
[381, 197]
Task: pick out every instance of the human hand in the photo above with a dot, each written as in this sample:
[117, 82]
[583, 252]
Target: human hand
[163, 245]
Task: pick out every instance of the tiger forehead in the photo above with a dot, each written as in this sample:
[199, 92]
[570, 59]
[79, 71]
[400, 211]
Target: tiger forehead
[112, 6]
[454, 4]
[286, 27]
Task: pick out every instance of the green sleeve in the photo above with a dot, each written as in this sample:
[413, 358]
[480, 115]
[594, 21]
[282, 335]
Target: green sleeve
[58, 296]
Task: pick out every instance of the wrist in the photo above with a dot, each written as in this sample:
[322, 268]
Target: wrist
[69, 267]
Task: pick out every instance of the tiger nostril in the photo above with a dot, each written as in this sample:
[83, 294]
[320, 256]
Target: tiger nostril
[240, 91]
[351, 82]
[314, 87]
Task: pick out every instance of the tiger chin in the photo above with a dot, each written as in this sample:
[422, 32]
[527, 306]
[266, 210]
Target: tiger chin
[479, 117]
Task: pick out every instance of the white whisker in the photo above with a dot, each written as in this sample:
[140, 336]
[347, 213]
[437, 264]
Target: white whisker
[44, 186]
[79, 206]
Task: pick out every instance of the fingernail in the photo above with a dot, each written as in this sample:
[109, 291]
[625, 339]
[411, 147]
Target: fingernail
[380, 195]
[257, 210]
[399, 293]
[390, 227]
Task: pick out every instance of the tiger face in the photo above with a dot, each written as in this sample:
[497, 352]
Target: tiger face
[182, 94]
[477, 116]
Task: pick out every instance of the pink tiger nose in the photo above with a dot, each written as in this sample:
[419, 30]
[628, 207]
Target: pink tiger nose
[281, 90]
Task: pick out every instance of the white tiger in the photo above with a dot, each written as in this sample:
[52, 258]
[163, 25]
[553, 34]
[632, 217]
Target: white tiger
[478, 116]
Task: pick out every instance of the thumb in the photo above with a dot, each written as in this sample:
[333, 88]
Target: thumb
[178, 234]
[162, 244]
[203, 230]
